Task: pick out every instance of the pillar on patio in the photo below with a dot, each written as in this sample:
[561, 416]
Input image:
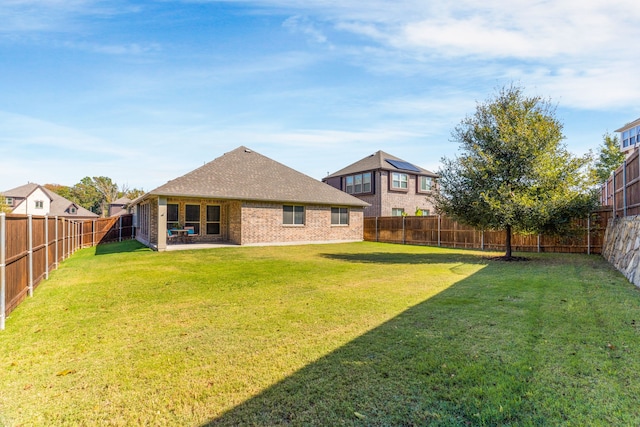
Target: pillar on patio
[162, 223]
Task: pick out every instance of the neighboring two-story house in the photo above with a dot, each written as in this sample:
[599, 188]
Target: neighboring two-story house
[392, 186]
[629, 136]
[34, 199]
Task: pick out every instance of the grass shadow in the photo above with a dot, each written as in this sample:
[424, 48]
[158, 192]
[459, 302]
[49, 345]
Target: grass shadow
[503, 346]
[408, 258]
[426, 366]
[120, 247]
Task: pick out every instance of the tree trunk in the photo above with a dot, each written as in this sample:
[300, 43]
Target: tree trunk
[507, 254]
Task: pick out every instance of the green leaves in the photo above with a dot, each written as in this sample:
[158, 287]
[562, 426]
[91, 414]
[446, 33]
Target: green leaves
[513, 171]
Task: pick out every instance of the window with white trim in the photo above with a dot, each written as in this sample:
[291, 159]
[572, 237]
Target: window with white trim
[399, 181]
[192, 217]
[39, 204]
[339, 216]
[357, 184]
[397, 212]
[292, 215]
[172, 215]
[426, 183]
[213, 219]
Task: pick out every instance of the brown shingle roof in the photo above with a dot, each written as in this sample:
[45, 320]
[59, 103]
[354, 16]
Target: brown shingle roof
[243, 174]
[376, 161]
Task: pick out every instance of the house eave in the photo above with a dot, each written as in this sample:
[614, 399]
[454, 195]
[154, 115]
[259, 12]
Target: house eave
[354, 203]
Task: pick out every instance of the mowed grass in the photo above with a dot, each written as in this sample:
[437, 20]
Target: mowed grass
[347, 334]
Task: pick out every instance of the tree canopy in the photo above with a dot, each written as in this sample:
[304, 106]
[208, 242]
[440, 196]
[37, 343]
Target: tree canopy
[95, 194]
[609, 158]
[513, 173]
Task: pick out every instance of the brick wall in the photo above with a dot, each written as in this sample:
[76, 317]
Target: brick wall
[262, 223]
[254, 223]
[408, 200]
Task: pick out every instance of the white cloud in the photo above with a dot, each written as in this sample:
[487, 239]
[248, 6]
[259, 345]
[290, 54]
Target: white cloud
[302, 24]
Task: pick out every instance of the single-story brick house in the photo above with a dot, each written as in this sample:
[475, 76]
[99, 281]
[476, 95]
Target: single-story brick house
[246, 198]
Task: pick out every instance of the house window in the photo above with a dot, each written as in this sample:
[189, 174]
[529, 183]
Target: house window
[357, 184]
[172, 215]
[144, 219]
[8, 201]
[426, 183]
[339, 216]
[72, 210]
[192, 217]
[397, 212]
[293, 215]
[399, 181]
[213, 219]
[39, 204]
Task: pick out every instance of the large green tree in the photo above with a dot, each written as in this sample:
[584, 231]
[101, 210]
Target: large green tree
[609, 158]
[3, 205]
[95, 194]
[512, 172]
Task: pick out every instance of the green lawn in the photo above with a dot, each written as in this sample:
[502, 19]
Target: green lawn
[348, 334]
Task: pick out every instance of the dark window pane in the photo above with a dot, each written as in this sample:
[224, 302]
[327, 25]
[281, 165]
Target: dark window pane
[192, 213]
[213, 213]
[172, 212]
[344, 216]
[299, 215]
[287, 214]
[213, 228]
[335, 215]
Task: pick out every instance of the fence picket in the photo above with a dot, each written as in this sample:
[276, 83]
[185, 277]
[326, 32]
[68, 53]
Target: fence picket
[586, 236]
[24, 237]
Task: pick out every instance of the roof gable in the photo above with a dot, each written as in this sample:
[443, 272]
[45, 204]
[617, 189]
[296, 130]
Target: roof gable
[381, 161]
[243, 174]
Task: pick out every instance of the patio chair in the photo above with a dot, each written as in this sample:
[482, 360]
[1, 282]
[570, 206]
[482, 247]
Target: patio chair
[171, 237]
[191, 233]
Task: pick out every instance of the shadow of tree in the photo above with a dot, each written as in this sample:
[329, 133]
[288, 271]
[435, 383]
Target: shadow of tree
[442, 362]
[407, 258]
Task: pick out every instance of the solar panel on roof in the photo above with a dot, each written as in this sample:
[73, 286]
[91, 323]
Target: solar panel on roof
[399, 164]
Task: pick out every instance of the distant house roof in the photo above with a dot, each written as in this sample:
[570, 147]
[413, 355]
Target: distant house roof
[121, 201]
[59, 205]
[243, 174]
[380, 160]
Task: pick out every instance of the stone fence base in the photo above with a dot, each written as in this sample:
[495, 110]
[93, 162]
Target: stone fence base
[622, 246]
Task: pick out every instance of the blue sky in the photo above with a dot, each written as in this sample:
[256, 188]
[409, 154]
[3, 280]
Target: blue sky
[146, 91]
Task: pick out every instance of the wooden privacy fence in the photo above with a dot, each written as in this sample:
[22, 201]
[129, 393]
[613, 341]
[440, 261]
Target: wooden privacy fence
[586, 235]
[33, 246]
[622, 190]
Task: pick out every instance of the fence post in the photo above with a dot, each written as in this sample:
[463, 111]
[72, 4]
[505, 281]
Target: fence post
[3, 267]
[404, 232]
[624, 188]
[46, 247]
[589, 234]
[613, 185]
[120, 229]
[482, 240]
[439, 226]
[93, 232]
[30, 252]
[377, 237]
[64, 239]
[538, 242]
[57, 240]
